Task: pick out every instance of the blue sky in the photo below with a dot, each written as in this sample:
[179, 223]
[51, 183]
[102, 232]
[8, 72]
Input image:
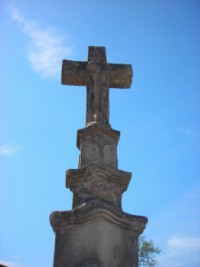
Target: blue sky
[158, 118]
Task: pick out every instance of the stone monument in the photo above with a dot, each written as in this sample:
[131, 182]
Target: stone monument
[96, 232]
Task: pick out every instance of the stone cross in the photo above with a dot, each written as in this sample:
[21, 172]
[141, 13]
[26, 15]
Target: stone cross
[98, 76]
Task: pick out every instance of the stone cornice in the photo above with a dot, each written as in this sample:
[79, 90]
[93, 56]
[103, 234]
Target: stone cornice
[74, 176]
[91, 210]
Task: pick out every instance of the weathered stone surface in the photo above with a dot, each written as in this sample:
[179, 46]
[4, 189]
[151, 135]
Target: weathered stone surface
[74, 73]
[94, 182]
[84, 212]
[96, 233]
[98, 76]
[98, 144]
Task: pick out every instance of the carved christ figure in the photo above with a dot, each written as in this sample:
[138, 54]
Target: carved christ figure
[97, 91]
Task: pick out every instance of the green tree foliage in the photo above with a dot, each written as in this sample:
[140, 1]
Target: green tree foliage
[146, 252]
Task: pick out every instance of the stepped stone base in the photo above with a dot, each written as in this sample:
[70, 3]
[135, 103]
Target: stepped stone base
[96, 234]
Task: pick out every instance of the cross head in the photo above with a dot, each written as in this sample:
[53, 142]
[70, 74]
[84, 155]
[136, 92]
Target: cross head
[98, 76]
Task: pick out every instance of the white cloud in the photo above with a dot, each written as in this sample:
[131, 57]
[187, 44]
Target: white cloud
[182, 216]
[181, 252]
[9, 150]
[16, 16]
[45, 46]
[177, 232]
[184, 243]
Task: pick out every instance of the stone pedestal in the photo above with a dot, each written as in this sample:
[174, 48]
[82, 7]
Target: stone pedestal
[97, 233]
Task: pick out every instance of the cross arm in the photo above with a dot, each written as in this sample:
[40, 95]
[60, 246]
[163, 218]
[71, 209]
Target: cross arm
[120, 75]
[73, 72]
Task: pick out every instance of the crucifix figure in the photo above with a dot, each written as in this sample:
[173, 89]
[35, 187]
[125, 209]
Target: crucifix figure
[98, 76]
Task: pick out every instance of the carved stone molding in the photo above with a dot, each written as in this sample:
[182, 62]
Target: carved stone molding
[62, 220]
[97, 182]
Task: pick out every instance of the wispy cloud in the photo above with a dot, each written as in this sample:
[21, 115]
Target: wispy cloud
[181, 214]
[184, 243]
[177, 231]
[181, 252]
[45, 47]
[9, 150]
